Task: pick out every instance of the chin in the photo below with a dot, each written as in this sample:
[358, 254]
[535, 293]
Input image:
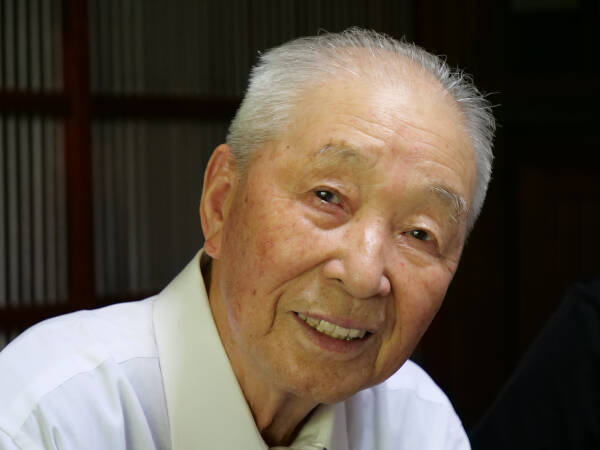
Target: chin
[322, 387]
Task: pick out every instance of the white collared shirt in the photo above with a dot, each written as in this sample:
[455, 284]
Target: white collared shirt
[154, 374]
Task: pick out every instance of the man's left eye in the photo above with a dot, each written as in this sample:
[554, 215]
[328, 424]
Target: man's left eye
[421, 235]
[328, 196]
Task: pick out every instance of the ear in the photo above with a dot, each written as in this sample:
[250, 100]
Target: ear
[220, 179]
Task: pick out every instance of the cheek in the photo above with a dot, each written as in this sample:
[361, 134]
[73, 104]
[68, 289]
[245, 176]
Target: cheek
[264, 245]
[416, 304]
[426, 299]
[280, 241]
[419, 292]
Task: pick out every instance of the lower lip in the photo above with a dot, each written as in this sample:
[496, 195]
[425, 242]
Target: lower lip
[332, 344]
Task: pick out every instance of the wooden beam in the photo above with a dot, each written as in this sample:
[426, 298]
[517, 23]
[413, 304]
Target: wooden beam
[33, 103]
[201, 108]
[78, 155]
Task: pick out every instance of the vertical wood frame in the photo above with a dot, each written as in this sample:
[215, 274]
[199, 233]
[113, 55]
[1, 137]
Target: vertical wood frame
[78, 155]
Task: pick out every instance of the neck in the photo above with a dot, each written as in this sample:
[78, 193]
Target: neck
[278, 415]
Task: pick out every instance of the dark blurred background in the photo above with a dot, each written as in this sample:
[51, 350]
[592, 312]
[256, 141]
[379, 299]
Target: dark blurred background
[109, 110]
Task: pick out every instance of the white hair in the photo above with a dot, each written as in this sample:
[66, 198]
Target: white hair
[283, 73]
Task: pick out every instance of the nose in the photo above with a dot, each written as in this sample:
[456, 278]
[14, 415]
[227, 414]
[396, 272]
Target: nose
[359, 262]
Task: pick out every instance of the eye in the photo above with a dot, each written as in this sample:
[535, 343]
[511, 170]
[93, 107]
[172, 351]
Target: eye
[421, 235]
[328, 196]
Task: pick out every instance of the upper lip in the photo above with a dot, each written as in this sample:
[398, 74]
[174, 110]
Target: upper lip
[341, 321]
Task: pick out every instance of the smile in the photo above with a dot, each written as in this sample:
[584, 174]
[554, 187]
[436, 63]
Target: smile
[333, 330]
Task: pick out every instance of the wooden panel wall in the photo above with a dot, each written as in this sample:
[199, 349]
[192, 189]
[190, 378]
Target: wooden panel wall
[126, 99]
[537, 233]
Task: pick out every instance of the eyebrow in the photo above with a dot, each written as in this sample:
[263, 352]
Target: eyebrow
[456, 203]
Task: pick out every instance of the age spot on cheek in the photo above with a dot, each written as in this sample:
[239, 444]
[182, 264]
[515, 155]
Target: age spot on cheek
[264, 247]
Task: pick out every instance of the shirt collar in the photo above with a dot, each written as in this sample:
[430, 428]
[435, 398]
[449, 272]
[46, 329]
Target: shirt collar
[318, 433]
[202, 393]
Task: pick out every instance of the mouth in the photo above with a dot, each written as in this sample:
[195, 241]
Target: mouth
[333, 330]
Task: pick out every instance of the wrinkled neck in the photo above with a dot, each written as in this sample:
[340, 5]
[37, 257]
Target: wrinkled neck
[278, 415]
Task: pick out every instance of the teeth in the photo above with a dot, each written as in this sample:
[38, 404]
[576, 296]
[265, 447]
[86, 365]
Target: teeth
[333, 330]
[311, 321]
[355, 333]
[326, 327]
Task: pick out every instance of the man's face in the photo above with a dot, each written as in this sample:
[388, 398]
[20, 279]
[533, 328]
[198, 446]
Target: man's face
[339, 243]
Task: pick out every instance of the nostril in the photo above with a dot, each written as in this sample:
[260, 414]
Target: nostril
[334, 270]
[385, 286]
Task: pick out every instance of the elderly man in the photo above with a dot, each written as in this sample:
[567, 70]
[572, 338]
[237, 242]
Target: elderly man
[334, 220]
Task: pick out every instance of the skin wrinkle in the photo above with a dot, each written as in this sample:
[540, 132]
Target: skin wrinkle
[342, 153]
[422, 130]
[385, 131]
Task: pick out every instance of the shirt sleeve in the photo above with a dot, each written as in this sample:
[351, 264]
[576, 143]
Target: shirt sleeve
[457, 437]
[24, 441]
[83, 381]
[6, 442]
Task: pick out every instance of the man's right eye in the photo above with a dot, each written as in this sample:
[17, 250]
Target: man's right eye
[421, 235]
[328, 196]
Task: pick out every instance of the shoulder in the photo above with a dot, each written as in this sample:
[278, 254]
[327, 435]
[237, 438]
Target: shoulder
[77, 369]
[412, 380]
[410, 387]
[406, 411]
[63, 346]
